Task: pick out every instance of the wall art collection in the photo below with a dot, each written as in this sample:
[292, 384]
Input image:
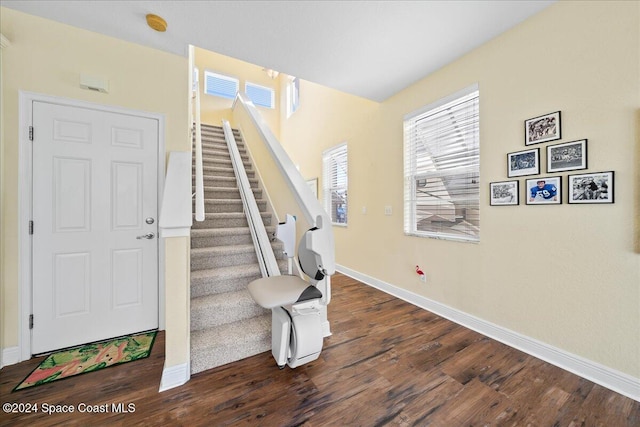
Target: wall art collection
[594, 187]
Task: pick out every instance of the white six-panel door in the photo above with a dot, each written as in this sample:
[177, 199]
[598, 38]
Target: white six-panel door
[95, 263]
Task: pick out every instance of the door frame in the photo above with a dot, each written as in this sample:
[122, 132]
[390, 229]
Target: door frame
[25, 198]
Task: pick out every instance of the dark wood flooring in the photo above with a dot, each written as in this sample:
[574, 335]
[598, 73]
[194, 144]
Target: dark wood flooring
[387, 363]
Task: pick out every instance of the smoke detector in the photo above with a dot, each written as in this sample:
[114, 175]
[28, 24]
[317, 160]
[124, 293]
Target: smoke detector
[157, 23]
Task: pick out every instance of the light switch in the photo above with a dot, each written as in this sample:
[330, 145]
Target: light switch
[388, 210]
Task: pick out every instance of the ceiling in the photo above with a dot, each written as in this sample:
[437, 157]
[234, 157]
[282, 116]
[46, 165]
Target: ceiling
[372, 49]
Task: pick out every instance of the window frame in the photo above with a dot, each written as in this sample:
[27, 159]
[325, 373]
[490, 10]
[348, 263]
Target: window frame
[470, 171]
[329, 184]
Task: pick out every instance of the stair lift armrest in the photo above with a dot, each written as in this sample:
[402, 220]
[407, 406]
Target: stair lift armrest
[316, 257]
[325, 288]
[286, 233]
[316, 252]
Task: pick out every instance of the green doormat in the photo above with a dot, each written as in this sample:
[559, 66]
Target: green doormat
[89, 358]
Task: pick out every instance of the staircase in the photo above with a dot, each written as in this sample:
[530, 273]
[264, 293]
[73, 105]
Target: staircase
[226, 324]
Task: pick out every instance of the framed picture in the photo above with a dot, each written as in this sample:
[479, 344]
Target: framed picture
[523, 163]
[542, 129]
[544, 191]
[568, 156]
[504, 193]
[596, 187]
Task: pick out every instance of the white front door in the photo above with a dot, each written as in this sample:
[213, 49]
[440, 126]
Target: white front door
[94, 209]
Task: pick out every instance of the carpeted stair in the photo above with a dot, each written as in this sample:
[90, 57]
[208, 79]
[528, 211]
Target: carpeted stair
[226, 324]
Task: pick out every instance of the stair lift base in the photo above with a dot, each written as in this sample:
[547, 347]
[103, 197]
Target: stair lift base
[297, 332]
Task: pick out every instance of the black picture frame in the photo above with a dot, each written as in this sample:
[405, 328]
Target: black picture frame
[545, 128]
[523, 163]
[504, 193]
[568, 156]
[547, 193]
[591, 188]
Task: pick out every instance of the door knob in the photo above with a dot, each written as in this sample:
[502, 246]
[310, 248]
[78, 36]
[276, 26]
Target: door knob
[148, 236]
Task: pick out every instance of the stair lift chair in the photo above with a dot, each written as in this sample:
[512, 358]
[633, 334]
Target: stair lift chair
[297, 334]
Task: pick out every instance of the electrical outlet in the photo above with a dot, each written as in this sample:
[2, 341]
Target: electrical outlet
[388, 210]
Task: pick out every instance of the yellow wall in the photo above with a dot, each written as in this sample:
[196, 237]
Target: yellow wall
[214, 109]
[324, 119]
[46, 57]
[566, 275]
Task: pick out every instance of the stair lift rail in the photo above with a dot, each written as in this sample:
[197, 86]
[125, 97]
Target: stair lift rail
[267, 260]
[299, 308]
[311, 208]
[295, 312]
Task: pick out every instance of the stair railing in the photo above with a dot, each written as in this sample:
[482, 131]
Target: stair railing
[199, 181]
[264, 251]
[311, 208]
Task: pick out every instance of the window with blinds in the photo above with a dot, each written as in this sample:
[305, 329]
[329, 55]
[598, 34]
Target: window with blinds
[442, 169]
[220, 85]
[260, 95]
[335, 183]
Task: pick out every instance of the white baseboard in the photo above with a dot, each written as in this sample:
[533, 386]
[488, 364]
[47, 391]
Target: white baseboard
[175, 376]
[10, 356]
[614, 380]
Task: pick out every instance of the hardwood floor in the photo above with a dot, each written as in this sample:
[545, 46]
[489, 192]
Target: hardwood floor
[387, 363]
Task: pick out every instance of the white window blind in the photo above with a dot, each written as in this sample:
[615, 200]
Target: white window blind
[335, 183]
[260, 95]
[220, 85]
[442, 169]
